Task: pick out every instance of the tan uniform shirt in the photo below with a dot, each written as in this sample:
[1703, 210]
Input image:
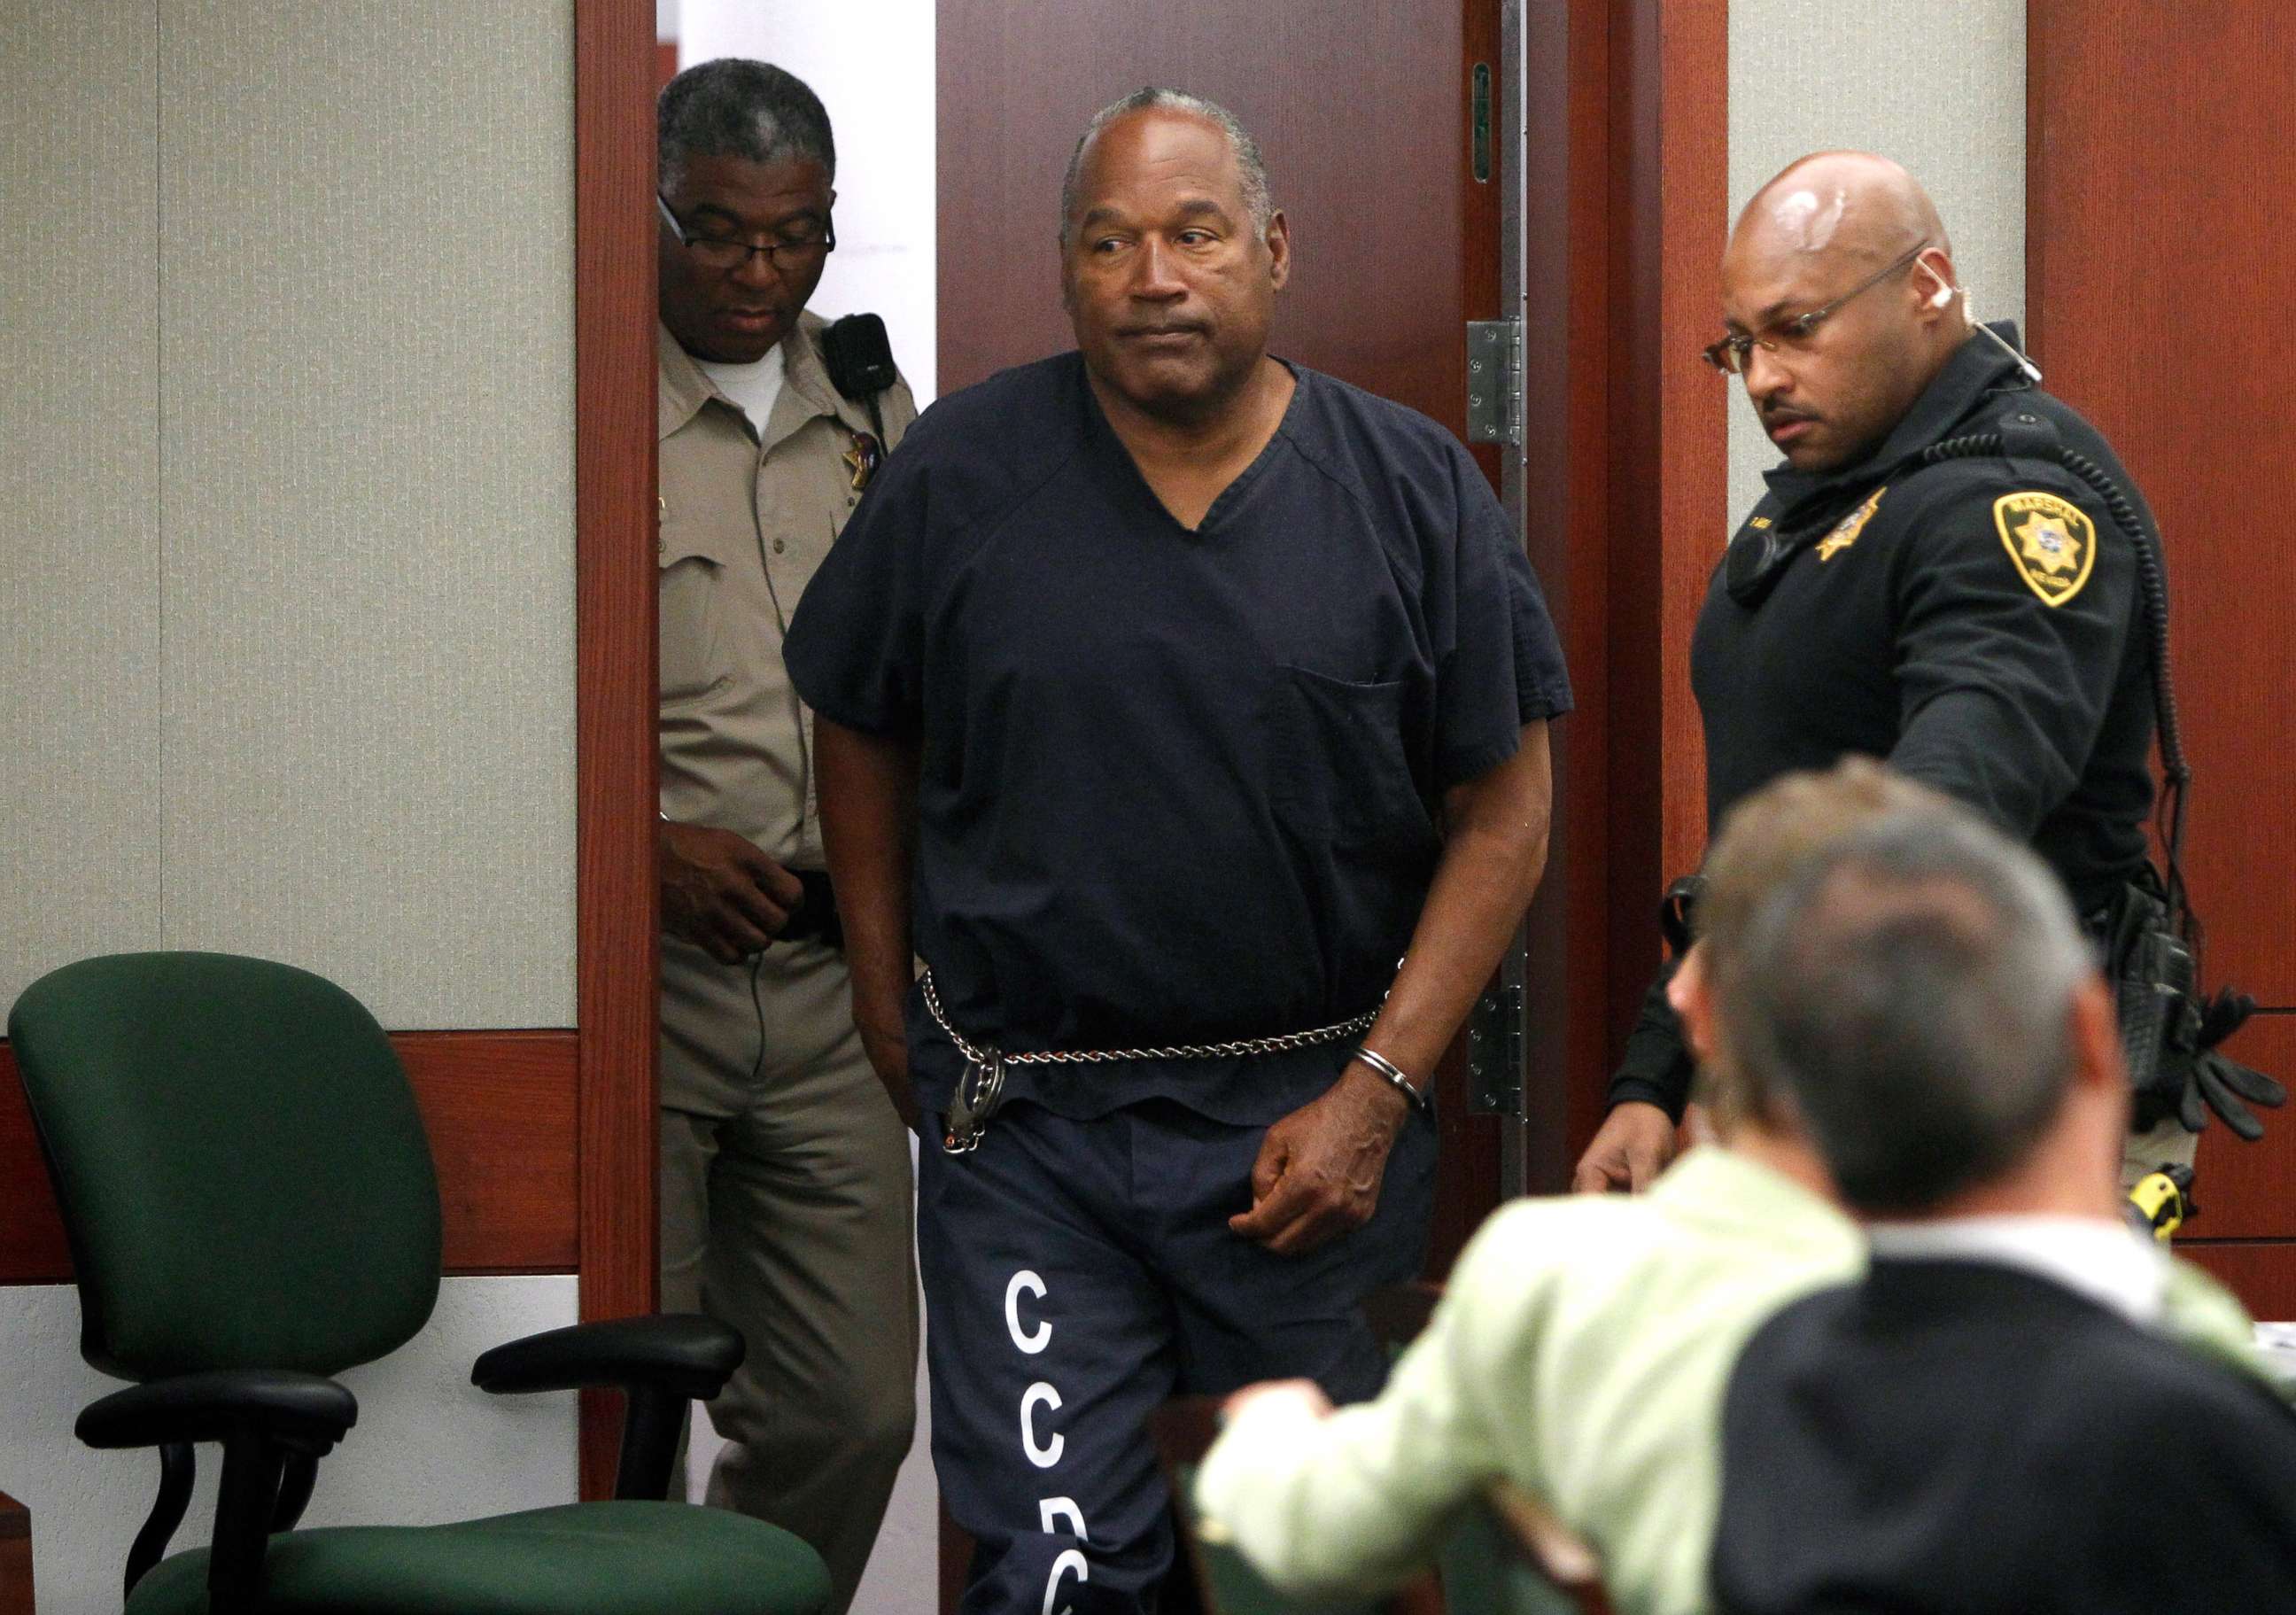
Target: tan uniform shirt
[745, 521]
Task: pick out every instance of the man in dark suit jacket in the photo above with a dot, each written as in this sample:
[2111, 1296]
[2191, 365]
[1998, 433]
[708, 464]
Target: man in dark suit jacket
[1989, 1421]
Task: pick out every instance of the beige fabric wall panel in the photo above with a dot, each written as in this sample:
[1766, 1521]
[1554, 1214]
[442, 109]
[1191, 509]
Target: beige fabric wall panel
[79, 585]
[366, 425]
[1939, 85]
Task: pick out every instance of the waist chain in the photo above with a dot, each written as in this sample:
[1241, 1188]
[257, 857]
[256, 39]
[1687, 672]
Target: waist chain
[982, 1087]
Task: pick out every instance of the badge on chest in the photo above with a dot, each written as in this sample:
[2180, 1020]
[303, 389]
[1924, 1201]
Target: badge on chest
[1846, 531]
[862, 455]
[1761, 550]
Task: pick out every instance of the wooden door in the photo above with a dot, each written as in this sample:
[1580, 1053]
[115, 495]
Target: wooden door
[2160, 271]
[1363, 112]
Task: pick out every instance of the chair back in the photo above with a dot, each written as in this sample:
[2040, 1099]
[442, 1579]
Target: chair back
[242, 1170]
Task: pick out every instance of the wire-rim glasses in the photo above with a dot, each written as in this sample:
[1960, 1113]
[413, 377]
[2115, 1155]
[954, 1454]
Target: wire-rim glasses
[724, 255]
[1730, 355]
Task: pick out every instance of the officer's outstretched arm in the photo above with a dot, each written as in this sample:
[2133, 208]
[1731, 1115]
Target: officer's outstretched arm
[1647, 1097]
[2014, 606]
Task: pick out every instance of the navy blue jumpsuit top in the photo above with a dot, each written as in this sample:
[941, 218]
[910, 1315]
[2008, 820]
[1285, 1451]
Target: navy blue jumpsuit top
[1178, 786]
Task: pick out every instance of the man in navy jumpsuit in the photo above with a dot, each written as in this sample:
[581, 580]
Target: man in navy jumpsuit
[1168, 695]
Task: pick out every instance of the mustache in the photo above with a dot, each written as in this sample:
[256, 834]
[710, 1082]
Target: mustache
[1786, 414]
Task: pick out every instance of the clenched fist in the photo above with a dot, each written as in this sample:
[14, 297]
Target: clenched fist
[720, 893]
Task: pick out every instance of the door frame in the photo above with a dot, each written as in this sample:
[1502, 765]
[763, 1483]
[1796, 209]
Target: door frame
[1626, 461]
[617, 914]
[1616, 114]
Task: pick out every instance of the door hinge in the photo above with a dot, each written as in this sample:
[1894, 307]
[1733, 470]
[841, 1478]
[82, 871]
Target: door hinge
[1495, 381]
[1494, 1052]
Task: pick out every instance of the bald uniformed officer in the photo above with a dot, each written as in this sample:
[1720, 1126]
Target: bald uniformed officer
[785, 1187]
[1976, 620]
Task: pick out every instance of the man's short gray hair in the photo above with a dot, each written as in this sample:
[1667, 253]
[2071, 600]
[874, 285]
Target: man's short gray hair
[734, 107]
[1911, 989]
[1251, 168]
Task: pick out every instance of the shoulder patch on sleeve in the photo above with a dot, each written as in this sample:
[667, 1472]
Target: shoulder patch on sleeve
[2050, 542]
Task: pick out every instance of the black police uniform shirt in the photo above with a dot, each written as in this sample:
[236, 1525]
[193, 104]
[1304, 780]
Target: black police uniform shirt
[1178, 787]
[1976, 623]
[1967, 1438]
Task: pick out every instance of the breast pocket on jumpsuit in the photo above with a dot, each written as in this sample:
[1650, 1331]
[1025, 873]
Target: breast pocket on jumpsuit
[1339, 766]
[692, 615]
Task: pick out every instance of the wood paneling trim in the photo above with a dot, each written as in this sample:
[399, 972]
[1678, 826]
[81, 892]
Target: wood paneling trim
[2261, 1272]
[2117, 239]
[499, 1108]
[616, 916]
[1566, 492]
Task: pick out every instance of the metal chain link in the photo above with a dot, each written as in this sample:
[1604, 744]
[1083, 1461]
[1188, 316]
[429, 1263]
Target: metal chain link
[1280, 1043]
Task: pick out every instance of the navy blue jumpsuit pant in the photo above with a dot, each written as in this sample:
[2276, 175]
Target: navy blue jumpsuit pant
[1079, 1273]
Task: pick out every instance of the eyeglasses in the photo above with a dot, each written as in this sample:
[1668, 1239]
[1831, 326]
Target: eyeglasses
[1731, 353]
[724, 255]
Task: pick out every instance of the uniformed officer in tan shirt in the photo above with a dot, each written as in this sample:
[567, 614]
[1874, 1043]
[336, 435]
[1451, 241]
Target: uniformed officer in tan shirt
[785, 1179]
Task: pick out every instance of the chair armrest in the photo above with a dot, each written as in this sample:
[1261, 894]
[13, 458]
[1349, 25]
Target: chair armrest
[274, 1426]
[687, 1354]
[663, 1363]
[302, 1412]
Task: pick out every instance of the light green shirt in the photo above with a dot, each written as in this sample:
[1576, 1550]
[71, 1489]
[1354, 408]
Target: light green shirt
[1581, 1351]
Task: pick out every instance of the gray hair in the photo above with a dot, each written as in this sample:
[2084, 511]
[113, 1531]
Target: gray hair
[733, 107]
[1251, 168]
[1910, 988]
[1766, 837]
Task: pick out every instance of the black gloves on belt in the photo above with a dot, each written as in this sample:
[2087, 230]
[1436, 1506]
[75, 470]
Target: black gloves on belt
[2216, 1082]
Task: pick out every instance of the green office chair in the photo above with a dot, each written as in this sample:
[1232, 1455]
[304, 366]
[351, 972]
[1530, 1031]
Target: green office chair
[252, 1207]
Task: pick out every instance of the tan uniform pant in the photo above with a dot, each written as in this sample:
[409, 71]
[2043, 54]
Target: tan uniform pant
[786, 1211]
[2165, 1143]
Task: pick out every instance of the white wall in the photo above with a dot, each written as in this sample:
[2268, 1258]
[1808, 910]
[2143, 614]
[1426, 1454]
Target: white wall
[870, 61]
[286, 546]
[1937, 84]
[429, 1447]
